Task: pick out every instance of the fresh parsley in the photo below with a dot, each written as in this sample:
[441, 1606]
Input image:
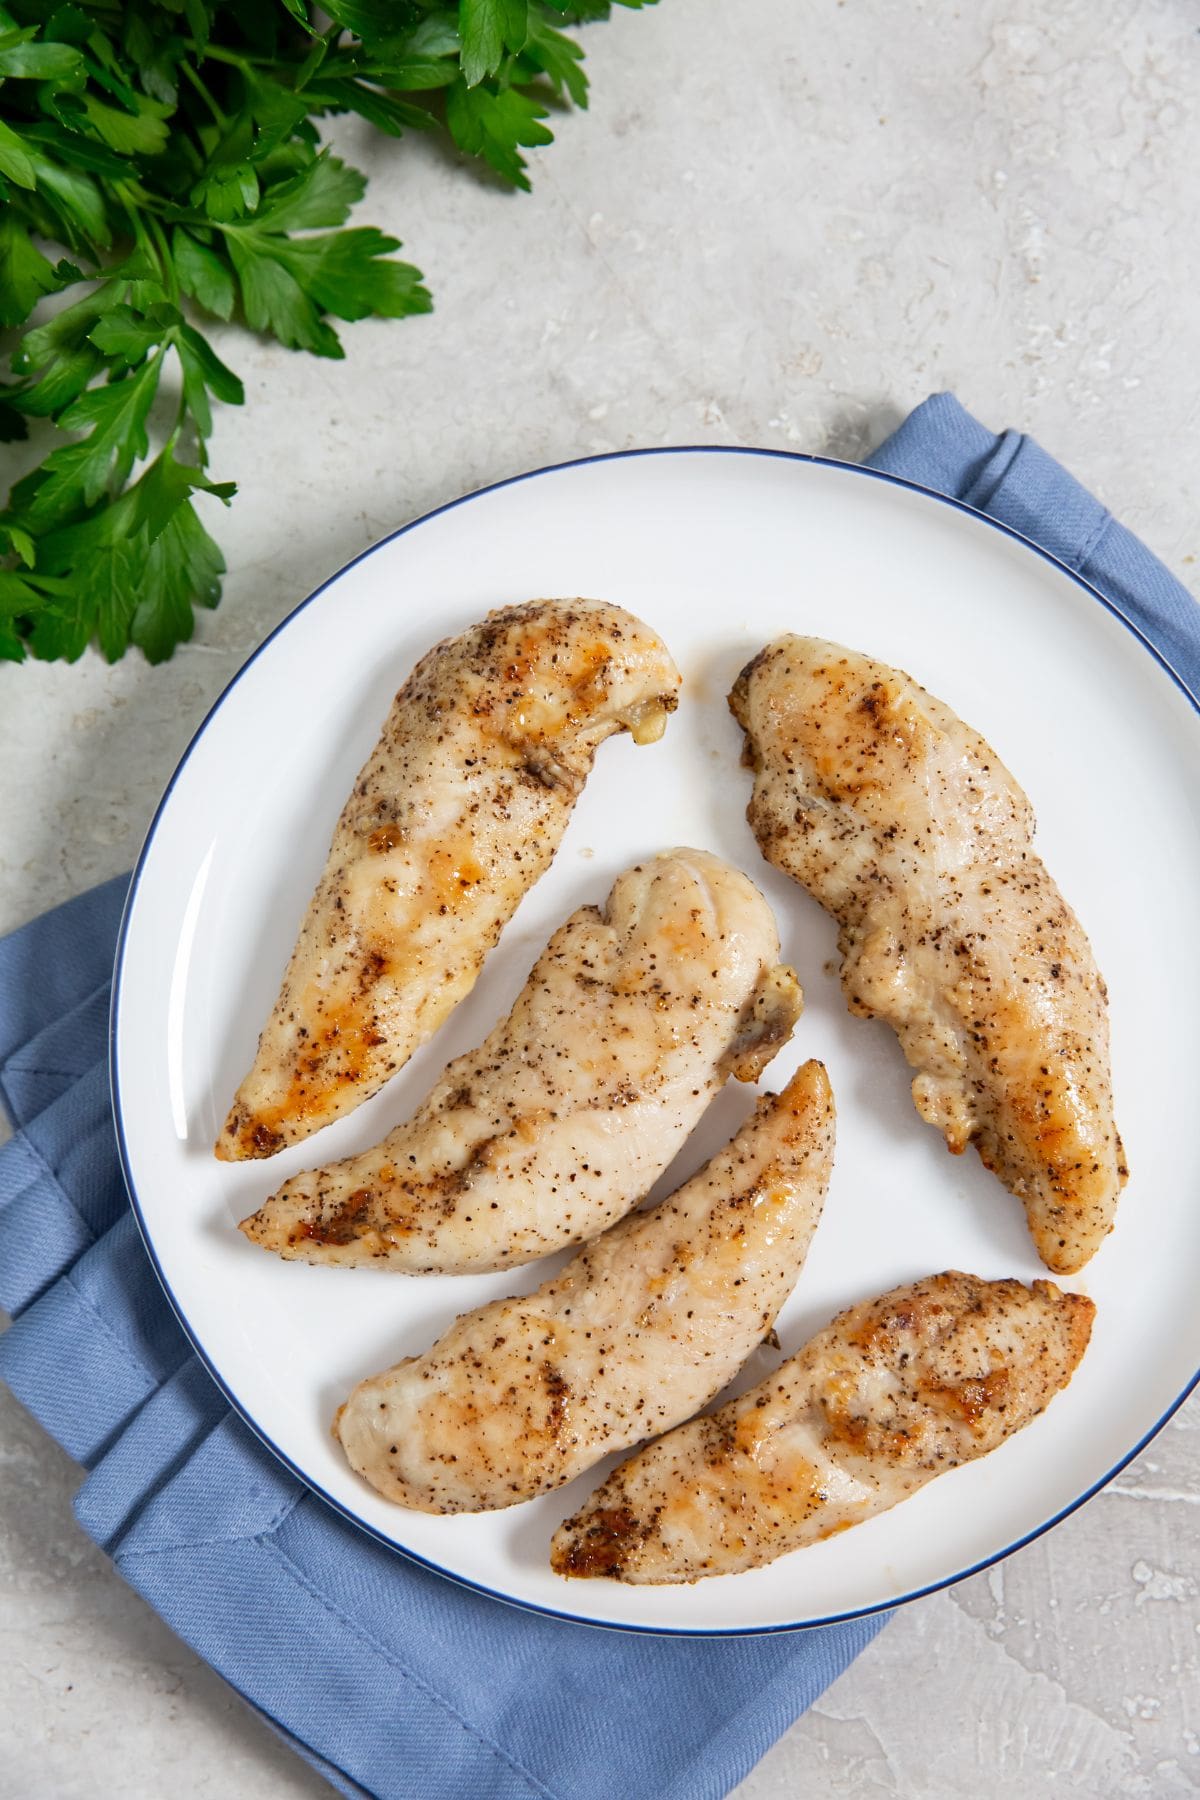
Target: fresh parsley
[160, 158]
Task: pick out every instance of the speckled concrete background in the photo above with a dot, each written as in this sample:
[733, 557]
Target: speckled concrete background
[783, 225]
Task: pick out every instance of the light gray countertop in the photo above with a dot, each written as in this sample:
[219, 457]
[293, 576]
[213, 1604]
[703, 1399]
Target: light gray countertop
[780, 225]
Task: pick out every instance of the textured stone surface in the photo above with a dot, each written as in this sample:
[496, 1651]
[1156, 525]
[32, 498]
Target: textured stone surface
[783, 225]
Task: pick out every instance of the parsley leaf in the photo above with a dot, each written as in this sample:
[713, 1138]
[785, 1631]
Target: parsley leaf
[115, 419]
[288, 282]
[202, 274]
[25, 274]
[14, 158]
[551, 53]
[130, 571]
[160, 164]
[496, 124]
[488, 28]
[142, 131]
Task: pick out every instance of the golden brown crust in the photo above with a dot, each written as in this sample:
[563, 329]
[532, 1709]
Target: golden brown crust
[893, 1393]
[645, 1324]
[632, 1014]
[905, 825]
[459, 809]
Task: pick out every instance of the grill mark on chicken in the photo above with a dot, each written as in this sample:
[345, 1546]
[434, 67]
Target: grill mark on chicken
[566, 1115]
[905, 825]
[893, 1393]
[645, 1324]
[458, 810]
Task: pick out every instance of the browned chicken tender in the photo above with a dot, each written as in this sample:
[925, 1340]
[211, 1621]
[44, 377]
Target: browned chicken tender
[632, 1018]
[893, 1393]
[907, 827]
[644, 1325]
[459, 809]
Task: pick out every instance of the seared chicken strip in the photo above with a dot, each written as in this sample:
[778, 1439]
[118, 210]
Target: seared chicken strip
[894, 1392]
[458, 811]
[568, 1113]
[907, 827]
[644, 1325]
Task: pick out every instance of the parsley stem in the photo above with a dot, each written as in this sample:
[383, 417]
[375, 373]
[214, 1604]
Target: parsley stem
[218, 53]
[201, 89]
[130, 201]
[135, 200]
[164, 255]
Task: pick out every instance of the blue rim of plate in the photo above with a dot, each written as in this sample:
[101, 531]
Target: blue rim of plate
[570, 1618]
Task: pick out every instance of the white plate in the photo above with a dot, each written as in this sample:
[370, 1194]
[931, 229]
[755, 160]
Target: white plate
[720, 551]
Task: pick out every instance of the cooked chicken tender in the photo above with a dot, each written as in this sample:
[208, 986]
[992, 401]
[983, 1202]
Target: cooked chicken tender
[893, 1393]
[570, 1110]
[644, 1325]
[458, 811]
[907, 827]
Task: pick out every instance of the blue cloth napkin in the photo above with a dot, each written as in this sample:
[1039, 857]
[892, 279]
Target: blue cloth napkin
[1011, 478]
[391, 1681]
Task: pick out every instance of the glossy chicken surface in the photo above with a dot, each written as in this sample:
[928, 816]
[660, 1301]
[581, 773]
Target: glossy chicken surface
[646, 1323]
[906, 826]
[566, 1115]
[894, 1392]
[458, 810]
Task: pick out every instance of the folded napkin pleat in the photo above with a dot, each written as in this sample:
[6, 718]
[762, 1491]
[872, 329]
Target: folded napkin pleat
[1012, 479]
[59, 959]
[59, 1054]
[43, 1231]
[393, 1682]
[70, 1372]
[161, 1431]
[57, 1171]
[73, 1372]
